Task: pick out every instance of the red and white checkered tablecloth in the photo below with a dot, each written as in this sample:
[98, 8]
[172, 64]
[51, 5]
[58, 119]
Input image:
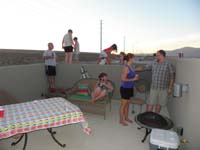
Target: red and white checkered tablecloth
[40, 114]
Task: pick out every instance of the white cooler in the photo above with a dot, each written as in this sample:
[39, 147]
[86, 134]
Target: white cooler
[164, 140]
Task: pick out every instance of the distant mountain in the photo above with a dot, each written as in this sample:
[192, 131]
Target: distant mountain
[190, 52]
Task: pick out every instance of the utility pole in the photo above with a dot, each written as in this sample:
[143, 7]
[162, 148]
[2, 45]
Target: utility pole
[124, 44]
[101, 35]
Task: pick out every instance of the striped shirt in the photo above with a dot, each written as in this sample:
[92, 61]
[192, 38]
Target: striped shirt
[162, 73]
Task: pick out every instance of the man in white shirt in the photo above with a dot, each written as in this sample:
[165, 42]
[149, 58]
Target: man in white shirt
[50, 65]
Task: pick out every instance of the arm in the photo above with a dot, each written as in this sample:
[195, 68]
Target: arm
[109, 85]
[108, 60]
[172, 77]
[45, 57]
[63, 42]
[141, 68]
[75, 46]
[98, 60]
[71, 40]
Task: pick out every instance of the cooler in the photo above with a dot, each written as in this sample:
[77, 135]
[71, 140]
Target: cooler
[164, 140]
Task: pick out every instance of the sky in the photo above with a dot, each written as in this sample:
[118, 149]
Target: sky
[138, 26]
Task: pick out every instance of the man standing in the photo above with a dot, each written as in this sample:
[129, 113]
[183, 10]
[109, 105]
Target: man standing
[162, 82]
[50, 65]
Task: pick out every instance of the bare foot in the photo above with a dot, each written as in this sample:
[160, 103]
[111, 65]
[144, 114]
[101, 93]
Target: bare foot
[123, 123]
[92, 101]
[129, 120]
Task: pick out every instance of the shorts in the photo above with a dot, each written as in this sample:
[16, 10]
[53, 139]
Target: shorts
[68, 49]
[50, 70]
[126, 93]
[159, 97]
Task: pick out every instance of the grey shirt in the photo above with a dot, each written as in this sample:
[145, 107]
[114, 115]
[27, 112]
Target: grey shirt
[162, 73]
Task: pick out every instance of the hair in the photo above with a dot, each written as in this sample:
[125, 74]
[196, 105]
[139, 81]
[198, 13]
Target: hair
[129, 56]
[75, 38]
[114, 47]
[122, 53]
[101, 75]
[70, 31]
[50, 43]
[162, 52]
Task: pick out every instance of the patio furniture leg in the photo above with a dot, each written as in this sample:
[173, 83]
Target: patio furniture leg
[52, 135]
[148, 131]
[105, 112]
[25, 141]
[15, 143]
[110, 105]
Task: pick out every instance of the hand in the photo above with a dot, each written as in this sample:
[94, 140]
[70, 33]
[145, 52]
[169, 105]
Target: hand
[136, 77]
[170, 91]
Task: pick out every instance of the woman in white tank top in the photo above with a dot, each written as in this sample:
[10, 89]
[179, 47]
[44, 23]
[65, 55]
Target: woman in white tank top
[67, 45]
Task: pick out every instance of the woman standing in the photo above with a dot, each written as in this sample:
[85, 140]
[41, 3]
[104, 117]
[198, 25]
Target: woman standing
[68, 44]
[127, 88]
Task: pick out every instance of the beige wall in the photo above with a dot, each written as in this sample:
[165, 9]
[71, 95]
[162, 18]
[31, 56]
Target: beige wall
[68, 74]
[25, 82]
[28, 82]
[185, 111]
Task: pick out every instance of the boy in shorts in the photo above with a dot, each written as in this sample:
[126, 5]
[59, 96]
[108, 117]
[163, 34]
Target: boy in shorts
[49, 57]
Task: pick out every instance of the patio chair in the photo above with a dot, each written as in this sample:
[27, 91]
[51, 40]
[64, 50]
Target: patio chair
[84, 101]
[142, 86]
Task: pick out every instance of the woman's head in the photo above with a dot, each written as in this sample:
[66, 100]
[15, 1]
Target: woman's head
[103, 76]
[114, 47]
[129, 58]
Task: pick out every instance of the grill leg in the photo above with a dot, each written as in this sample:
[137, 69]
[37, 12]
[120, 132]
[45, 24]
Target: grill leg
[52, 135]
[139, 128]
[148, 131]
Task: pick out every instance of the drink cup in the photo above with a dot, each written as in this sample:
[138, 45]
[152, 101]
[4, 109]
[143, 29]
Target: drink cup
[1, 113]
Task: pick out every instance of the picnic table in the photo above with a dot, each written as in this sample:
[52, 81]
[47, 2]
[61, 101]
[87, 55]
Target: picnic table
[23, 118]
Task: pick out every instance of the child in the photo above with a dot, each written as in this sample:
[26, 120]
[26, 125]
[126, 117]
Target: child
[102, 87]
[122, 61]
[50, 66]
[104, 57]
[76, 49]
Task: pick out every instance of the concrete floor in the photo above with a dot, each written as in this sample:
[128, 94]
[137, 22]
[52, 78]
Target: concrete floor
[107, 135]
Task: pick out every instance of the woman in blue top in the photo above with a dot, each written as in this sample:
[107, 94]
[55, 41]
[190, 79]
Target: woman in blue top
[127, 87]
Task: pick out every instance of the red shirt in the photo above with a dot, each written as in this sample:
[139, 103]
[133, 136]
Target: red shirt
[108, 50]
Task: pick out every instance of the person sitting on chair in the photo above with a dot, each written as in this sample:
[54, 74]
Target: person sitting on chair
[102, 87]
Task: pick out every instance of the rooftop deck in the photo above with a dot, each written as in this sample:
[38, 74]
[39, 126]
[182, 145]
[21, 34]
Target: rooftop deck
[28, 82]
